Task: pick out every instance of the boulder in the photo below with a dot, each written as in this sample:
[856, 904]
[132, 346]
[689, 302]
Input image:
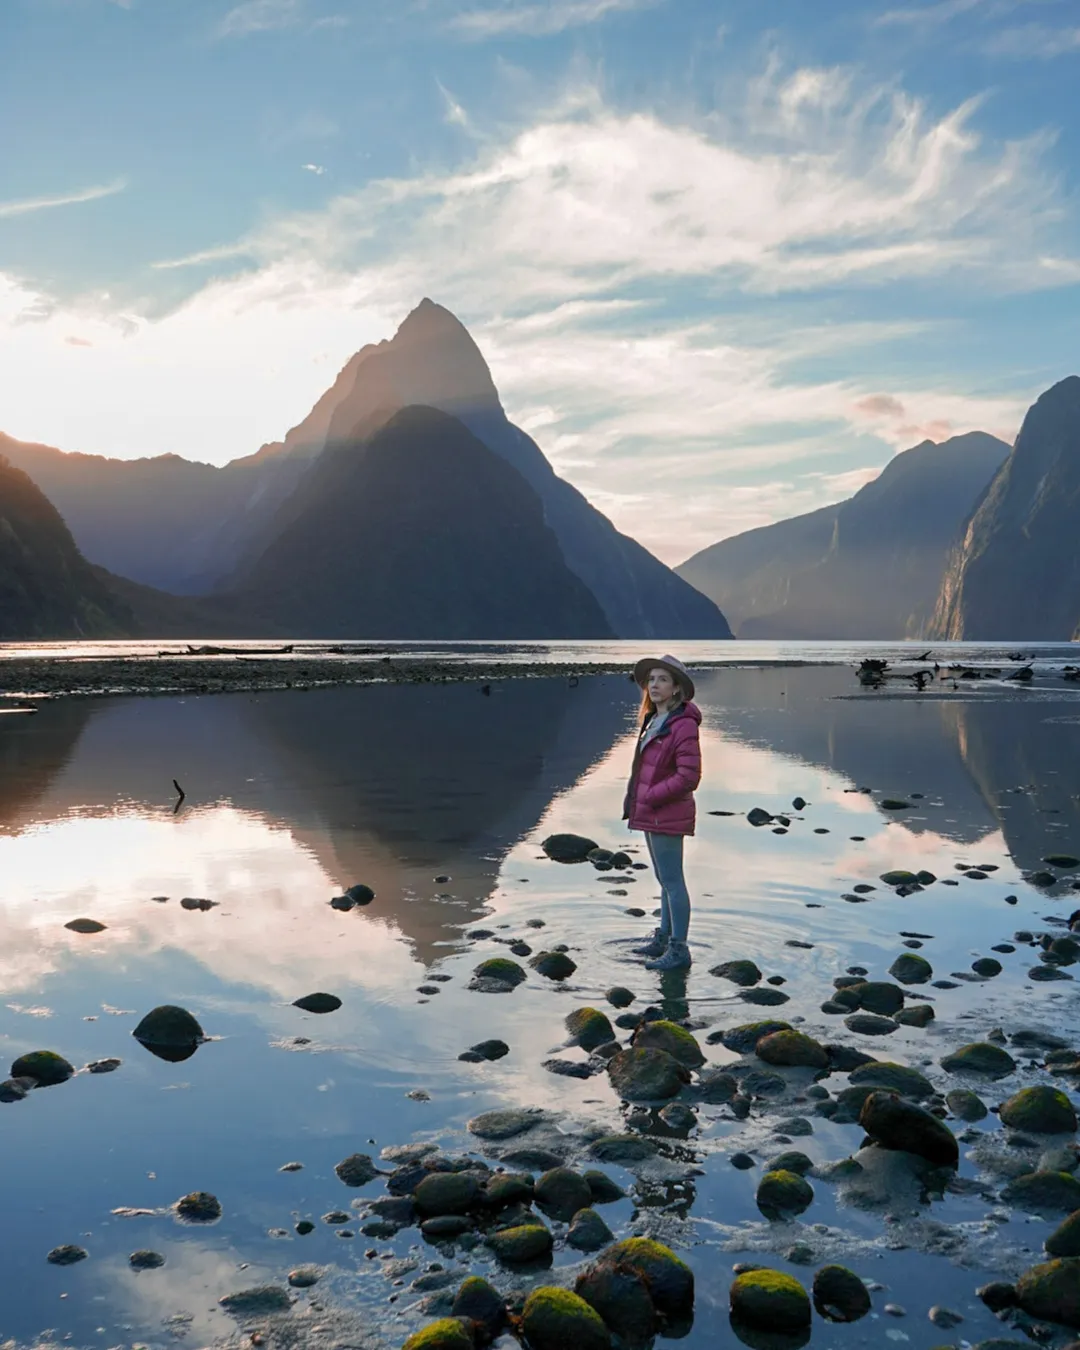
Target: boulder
[920, 1016]
[743, 1039]
[169, 1032]
[554, 1319]
[446, 1334]
[792, 1049]
[526, 1242]
[782, 1194]
[497, 971]
[770, 1300]
[621, 1297]
[1039, 1110]
[894, 1078]
[966, 1105]
[507, 1188]
[791, 1161]
[744, 973]
[588, 1232]
[1035, 1191]
[1065, 1239]
[671, 1038]
[568, 848]
[896, 1124]
[604, 1191]
[879, 996]
[553, 965]
[839, 1294]
[982, 1058]
[589, 1028]
[870, 1024]
[910, 969]
[562, 1192]
[480, 1304]
[641, 1075]
[45, 1067]
[446, 1193]
[669, 1280]
[1051, 1292]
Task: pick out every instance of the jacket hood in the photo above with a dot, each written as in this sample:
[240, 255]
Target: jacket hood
[690, 710]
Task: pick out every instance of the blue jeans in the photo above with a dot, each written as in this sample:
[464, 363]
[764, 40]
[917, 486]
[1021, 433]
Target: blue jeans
[666, 852]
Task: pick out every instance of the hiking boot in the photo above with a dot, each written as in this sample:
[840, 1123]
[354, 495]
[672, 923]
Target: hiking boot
[677, 957]
[656, 946]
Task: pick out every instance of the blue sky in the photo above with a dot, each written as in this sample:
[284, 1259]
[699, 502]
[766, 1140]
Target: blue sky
[723, 258]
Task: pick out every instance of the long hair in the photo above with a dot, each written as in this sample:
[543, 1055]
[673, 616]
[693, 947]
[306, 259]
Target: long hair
[647, 709]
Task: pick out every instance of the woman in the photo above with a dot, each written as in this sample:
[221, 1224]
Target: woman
[660, 797]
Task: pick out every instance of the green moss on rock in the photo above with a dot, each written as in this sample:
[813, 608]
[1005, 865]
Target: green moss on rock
[672, 1038]
[446, 1193]
[781, 1193]
[792, 1049]
[982, 1058]
[1065, 1239]
[839, 1294]
[500, 968]
[894, 1078]
[562, 1192]
[553, 965]
[1041, 1110]
[909, 968]
[445, 1334]
[1051, 1291]
[480, 1304]
[554, 1319]
[742, 1039]
[770, 1300]
[669, 1280]
[45, 1067]
[589, 1028]
[642, 1074]
[1035, 1191]
[526, 1242]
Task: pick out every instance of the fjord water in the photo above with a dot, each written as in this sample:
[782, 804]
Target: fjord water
[293, 796]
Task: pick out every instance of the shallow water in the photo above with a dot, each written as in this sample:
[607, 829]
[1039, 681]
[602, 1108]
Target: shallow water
[291, 797]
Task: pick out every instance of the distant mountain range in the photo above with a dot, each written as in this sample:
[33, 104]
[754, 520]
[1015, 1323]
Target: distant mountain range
[501, 548]
[869, 567]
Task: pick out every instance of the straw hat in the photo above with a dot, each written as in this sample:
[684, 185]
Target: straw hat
[672, 665]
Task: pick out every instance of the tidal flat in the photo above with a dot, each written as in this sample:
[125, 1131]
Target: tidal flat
[438, 799]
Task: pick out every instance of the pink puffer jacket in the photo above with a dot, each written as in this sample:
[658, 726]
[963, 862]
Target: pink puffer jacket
[660, 795]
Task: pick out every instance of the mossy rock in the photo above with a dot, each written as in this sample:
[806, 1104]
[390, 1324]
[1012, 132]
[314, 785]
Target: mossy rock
[896, 1124]
[1051, 1292]
[743, 973]
[792, 1049]
[770, 1300]
[619, 996]
[553, 965]
[45, 1067]
[742, 1039]
[781, 1194]
[1065, 1239]
[508, 1188]
[672, 1038]
[198, 1207]
[982, 1058]
[920, 1016]
[643, 1075]
[446, 1193]
[568, 848]
[524, 1243]
[502, 969]
[879, 996]
[589, 1232]
[589, 1027]
[791, 1161]
[170, 1028]
[839, 1294]
[669, 1280]
[894, 1078]
[562, 1192]
[554, 1319]
[603, 1189]
[899, 877]
[445, 1334]
[1035, 1191]
[911, 969]
[622, 1148]
[481, 1304]
[1040, 1110]
[621, 1297]
[966, 1105]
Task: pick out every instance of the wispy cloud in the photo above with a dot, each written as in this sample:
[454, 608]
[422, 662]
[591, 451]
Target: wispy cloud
[1033, 41]
[317, 169]
[261, 16]
[90, 194]
[541, 19]
[204, 257]
[929, 16]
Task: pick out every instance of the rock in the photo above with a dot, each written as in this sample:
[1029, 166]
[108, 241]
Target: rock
[85, 926]
[516, 1246]
[553, 965]
[770, 1300]
[622, 1148]
[480, 1304]
[356, 1170]
[641, 1074]
[103, 1065]
[669, 1280]
[604, 1191]
[487, 1050]
[589, 1028]
[919, 1016]
[1051, 1291]
[568, 1068]
[619, 996]
[1065, 860]
[318, 1003]
[444, 1227]
[678, 1116]
[869, 1024]
[764, 998]
[568, 848]
[304, 1277]
[68, 1255]
[497, 975]
[715, 1087]
[792, 1049]
[169, 1032]
[445, 1334]
[878, 996]
[1041, 1110]
[757, 815]
[896, 1124]
[944, 1317]
[987, 967]
[620, 1296]
[671, 1038]
[145, 1260]
[791, 1161]
[45, 1067]
[1058, 1191]
[911, 969]
[781, 1194]
[744, 973]
[966, 1105]
[839, 1294]
[507, 1188]
[893, 804]
[259, 1302]
[982, 1058]
[554, 1319]
[504, 1124]
[16, 1089]
[844, 1058]
[743, 1039]
[1065, 1239]
[589, 1232]
[561, 1192]
[446, 1193]
[360, 894]
[894, 1078]
[899, 878]
[198, 1207]
[997, 1295]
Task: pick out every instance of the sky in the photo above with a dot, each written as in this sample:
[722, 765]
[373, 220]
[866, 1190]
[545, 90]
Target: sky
[724, 259]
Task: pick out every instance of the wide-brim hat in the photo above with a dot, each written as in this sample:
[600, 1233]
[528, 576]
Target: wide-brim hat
[672, 665]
